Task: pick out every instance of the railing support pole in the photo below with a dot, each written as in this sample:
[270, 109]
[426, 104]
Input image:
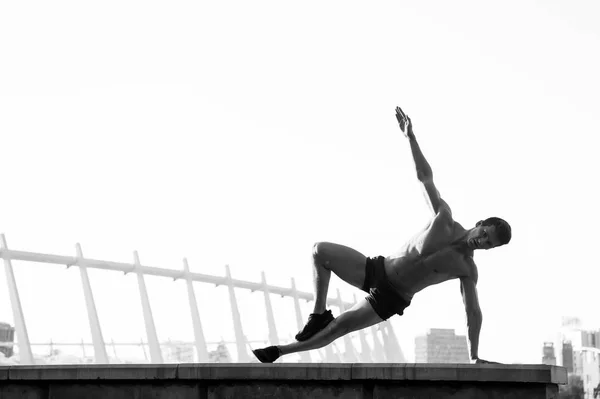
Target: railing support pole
[25, 354]
[100, 355]
[155, 352]
[196, 323]
[240, 338]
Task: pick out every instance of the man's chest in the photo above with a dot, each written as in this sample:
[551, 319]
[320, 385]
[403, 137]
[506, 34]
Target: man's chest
[445, 261]
[436, 250]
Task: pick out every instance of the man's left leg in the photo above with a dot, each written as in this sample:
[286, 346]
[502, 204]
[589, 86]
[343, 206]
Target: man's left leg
[358, 317]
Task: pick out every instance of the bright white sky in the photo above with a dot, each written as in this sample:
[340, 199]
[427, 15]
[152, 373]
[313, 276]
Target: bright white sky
[241, 132]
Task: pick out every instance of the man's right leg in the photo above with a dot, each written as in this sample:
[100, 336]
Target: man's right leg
[362, 315]
[347, 263]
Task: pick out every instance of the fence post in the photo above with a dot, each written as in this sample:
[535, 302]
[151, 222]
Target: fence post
[365, 351]
[196, 323]
[397, 356]
[378, 352]
[273, 337]
[25, 354]
[304, 356]
[388, 348]
[350, 354]
[100, 355]
[330, 355]
[115, 349]
[240, 338]
[155, 352]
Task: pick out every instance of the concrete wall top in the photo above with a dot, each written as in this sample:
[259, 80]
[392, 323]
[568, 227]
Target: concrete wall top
[293, 371]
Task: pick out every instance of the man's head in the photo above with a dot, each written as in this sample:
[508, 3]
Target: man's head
[489, 233]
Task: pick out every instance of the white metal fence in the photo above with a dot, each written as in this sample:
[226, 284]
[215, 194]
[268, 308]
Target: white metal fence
[388, 350]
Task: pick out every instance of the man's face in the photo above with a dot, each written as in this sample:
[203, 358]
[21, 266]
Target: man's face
[483, 237]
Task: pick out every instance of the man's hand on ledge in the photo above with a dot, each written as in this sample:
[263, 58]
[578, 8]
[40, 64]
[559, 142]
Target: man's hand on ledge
[481, 361]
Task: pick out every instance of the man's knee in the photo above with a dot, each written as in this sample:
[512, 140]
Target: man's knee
[319, 253]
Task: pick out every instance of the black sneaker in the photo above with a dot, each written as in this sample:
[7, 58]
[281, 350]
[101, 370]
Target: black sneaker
[268, 354]
[316, 322]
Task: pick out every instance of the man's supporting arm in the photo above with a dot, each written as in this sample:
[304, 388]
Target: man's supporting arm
[474, 316]
[474, 320]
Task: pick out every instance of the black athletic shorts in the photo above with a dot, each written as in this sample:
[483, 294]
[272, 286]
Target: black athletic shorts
[382, 295]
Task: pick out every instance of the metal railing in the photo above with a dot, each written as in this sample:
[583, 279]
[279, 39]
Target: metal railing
[200, 343]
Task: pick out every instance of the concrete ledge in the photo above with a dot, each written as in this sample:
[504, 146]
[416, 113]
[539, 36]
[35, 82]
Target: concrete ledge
[259, 371]
[92, 372]
[461, 372]
[257, 380]
[294, 371]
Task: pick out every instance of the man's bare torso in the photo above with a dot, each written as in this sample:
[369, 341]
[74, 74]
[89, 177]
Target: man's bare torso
[429, 258]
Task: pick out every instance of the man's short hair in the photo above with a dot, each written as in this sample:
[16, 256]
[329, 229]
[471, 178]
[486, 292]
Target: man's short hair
[503, 231]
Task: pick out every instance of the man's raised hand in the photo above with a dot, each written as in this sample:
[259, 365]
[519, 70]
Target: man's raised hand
[404, 122]
[401, 116]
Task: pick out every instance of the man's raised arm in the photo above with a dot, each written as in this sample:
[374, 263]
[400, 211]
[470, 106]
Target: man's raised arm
[424, 172]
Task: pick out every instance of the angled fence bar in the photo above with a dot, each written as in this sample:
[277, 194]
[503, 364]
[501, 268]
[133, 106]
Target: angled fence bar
[393, 343]
[273, 337]
[304, 356]
[201, 349]
[155, 352]
[100, 355]
[350, 355]
[389, 355]
[392, 353]
[365, 350]
[378, 356]
[240, 338]
[24, 348]
[114, 347]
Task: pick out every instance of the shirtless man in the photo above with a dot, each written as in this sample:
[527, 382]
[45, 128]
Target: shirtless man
[442, 251]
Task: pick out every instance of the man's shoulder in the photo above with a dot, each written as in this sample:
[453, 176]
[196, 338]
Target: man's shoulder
[458, 228]
[443, 219]
[444, 213]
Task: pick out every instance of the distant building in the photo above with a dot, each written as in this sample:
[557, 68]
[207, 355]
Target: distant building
[579, 352]
[549, 357]
[567, 356]
[572, 336]
[586, 364]
[7, 336]
[441, 346]
[590, 339]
